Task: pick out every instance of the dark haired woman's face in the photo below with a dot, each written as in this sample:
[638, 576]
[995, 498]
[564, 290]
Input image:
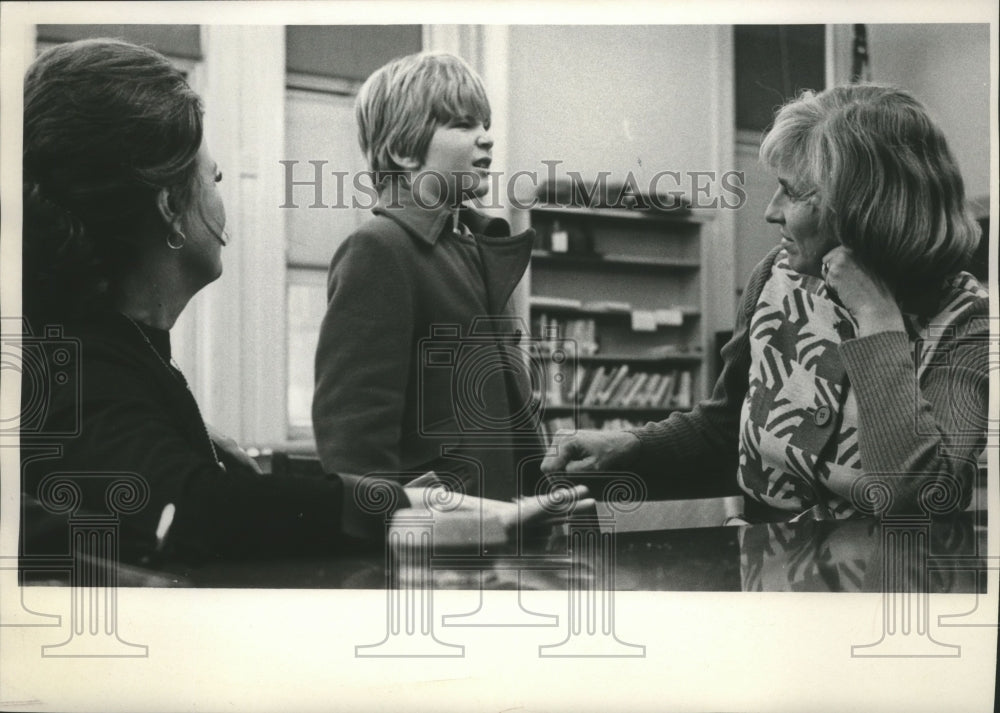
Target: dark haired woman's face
[205, 219]
[796, 211]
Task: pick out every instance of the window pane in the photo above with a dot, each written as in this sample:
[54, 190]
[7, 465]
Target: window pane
[773, 64]
[173, 40]
[350, 51]
[306, 306]
[321, 128]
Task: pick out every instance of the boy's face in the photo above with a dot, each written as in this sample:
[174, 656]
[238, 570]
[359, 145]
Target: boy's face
[460, 153]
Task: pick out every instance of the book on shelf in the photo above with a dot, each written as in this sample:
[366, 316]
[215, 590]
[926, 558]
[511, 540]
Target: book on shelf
[574, 389]
[615, 386]
[616, 396]
[664, 393]
[644, 398]
[594, 387]
[576, 334]
[682, 398]
[611, 390]
[554, 383]
[630, 397]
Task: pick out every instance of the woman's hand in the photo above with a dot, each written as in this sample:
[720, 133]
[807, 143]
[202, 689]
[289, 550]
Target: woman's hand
[481, 523]
[531, 511]
[865, 295]
[591, 451]
[231, 448]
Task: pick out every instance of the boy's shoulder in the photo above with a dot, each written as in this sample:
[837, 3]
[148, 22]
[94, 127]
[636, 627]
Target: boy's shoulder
[379, 227]
[377, 234]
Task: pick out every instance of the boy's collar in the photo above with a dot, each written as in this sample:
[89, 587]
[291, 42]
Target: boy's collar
[429, 222]
[396, 201]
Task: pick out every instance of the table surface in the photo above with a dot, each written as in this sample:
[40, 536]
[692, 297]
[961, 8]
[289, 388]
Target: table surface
[948, 554]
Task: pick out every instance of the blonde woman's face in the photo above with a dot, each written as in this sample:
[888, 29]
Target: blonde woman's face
[796, 212]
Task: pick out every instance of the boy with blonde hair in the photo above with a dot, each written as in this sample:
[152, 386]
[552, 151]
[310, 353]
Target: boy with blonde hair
[414, 372]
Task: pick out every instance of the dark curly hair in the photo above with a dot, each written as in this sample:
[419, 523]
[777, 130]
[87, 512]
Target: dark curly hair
[107, 125]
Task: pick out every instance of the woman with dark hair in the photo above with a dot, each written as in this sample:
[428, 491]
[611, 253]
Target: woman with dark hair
[860, 347]
[123, 225]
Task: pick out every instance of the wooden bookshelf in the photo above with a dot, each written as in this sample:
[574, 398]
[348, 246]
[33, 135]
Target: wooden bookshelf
[576, 213]
[604, 262]
[637, 411]
[625, 292]
[675, 358]
[689, 312]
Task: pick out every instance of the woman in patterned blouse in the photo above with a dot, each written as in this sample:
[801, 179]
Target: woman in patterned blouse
[856, 380]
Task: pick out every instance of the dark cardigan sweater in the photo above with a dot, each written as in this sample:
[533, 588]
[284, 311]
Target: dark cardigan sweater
[125, 410]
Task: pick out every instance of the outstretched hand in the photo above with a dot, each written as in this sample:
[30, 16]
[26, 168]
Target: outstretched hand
[479, 522]
[591, 451]
[531, 511]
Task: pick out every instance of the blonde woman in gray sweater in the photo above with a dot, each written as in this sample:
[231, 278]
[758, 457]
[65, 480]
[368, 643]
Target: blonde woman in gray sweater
[857, 377]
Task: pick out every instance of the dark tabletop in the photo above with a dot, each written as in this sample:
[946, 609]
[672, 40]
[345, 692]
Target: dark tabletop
[945, 554]
[949, 554]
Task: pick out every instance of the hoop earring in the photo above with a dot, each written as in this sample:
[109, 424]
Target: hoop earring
[183, 238]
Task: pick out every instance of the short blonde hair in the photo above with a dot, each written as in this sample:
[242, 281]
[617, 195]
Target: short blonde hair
[399, 107]
[887, 185]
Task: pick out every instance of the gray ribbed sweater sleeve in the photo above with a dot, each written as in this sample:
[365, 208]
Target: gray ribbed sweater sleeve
[932, 428]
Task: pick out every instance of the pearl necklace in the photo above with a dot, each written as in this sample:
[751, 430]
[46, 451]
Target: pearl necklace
[176, 373]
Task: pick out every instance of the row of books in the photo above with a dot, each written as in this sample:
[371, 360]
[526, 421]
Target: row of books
[552, 426]
[617, 386]
[553, 332]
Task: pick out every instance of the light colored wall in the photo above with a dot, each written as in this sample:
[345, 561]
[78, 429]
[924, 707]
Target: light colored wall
[600, 98]
[947, 67]
[620, 99]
